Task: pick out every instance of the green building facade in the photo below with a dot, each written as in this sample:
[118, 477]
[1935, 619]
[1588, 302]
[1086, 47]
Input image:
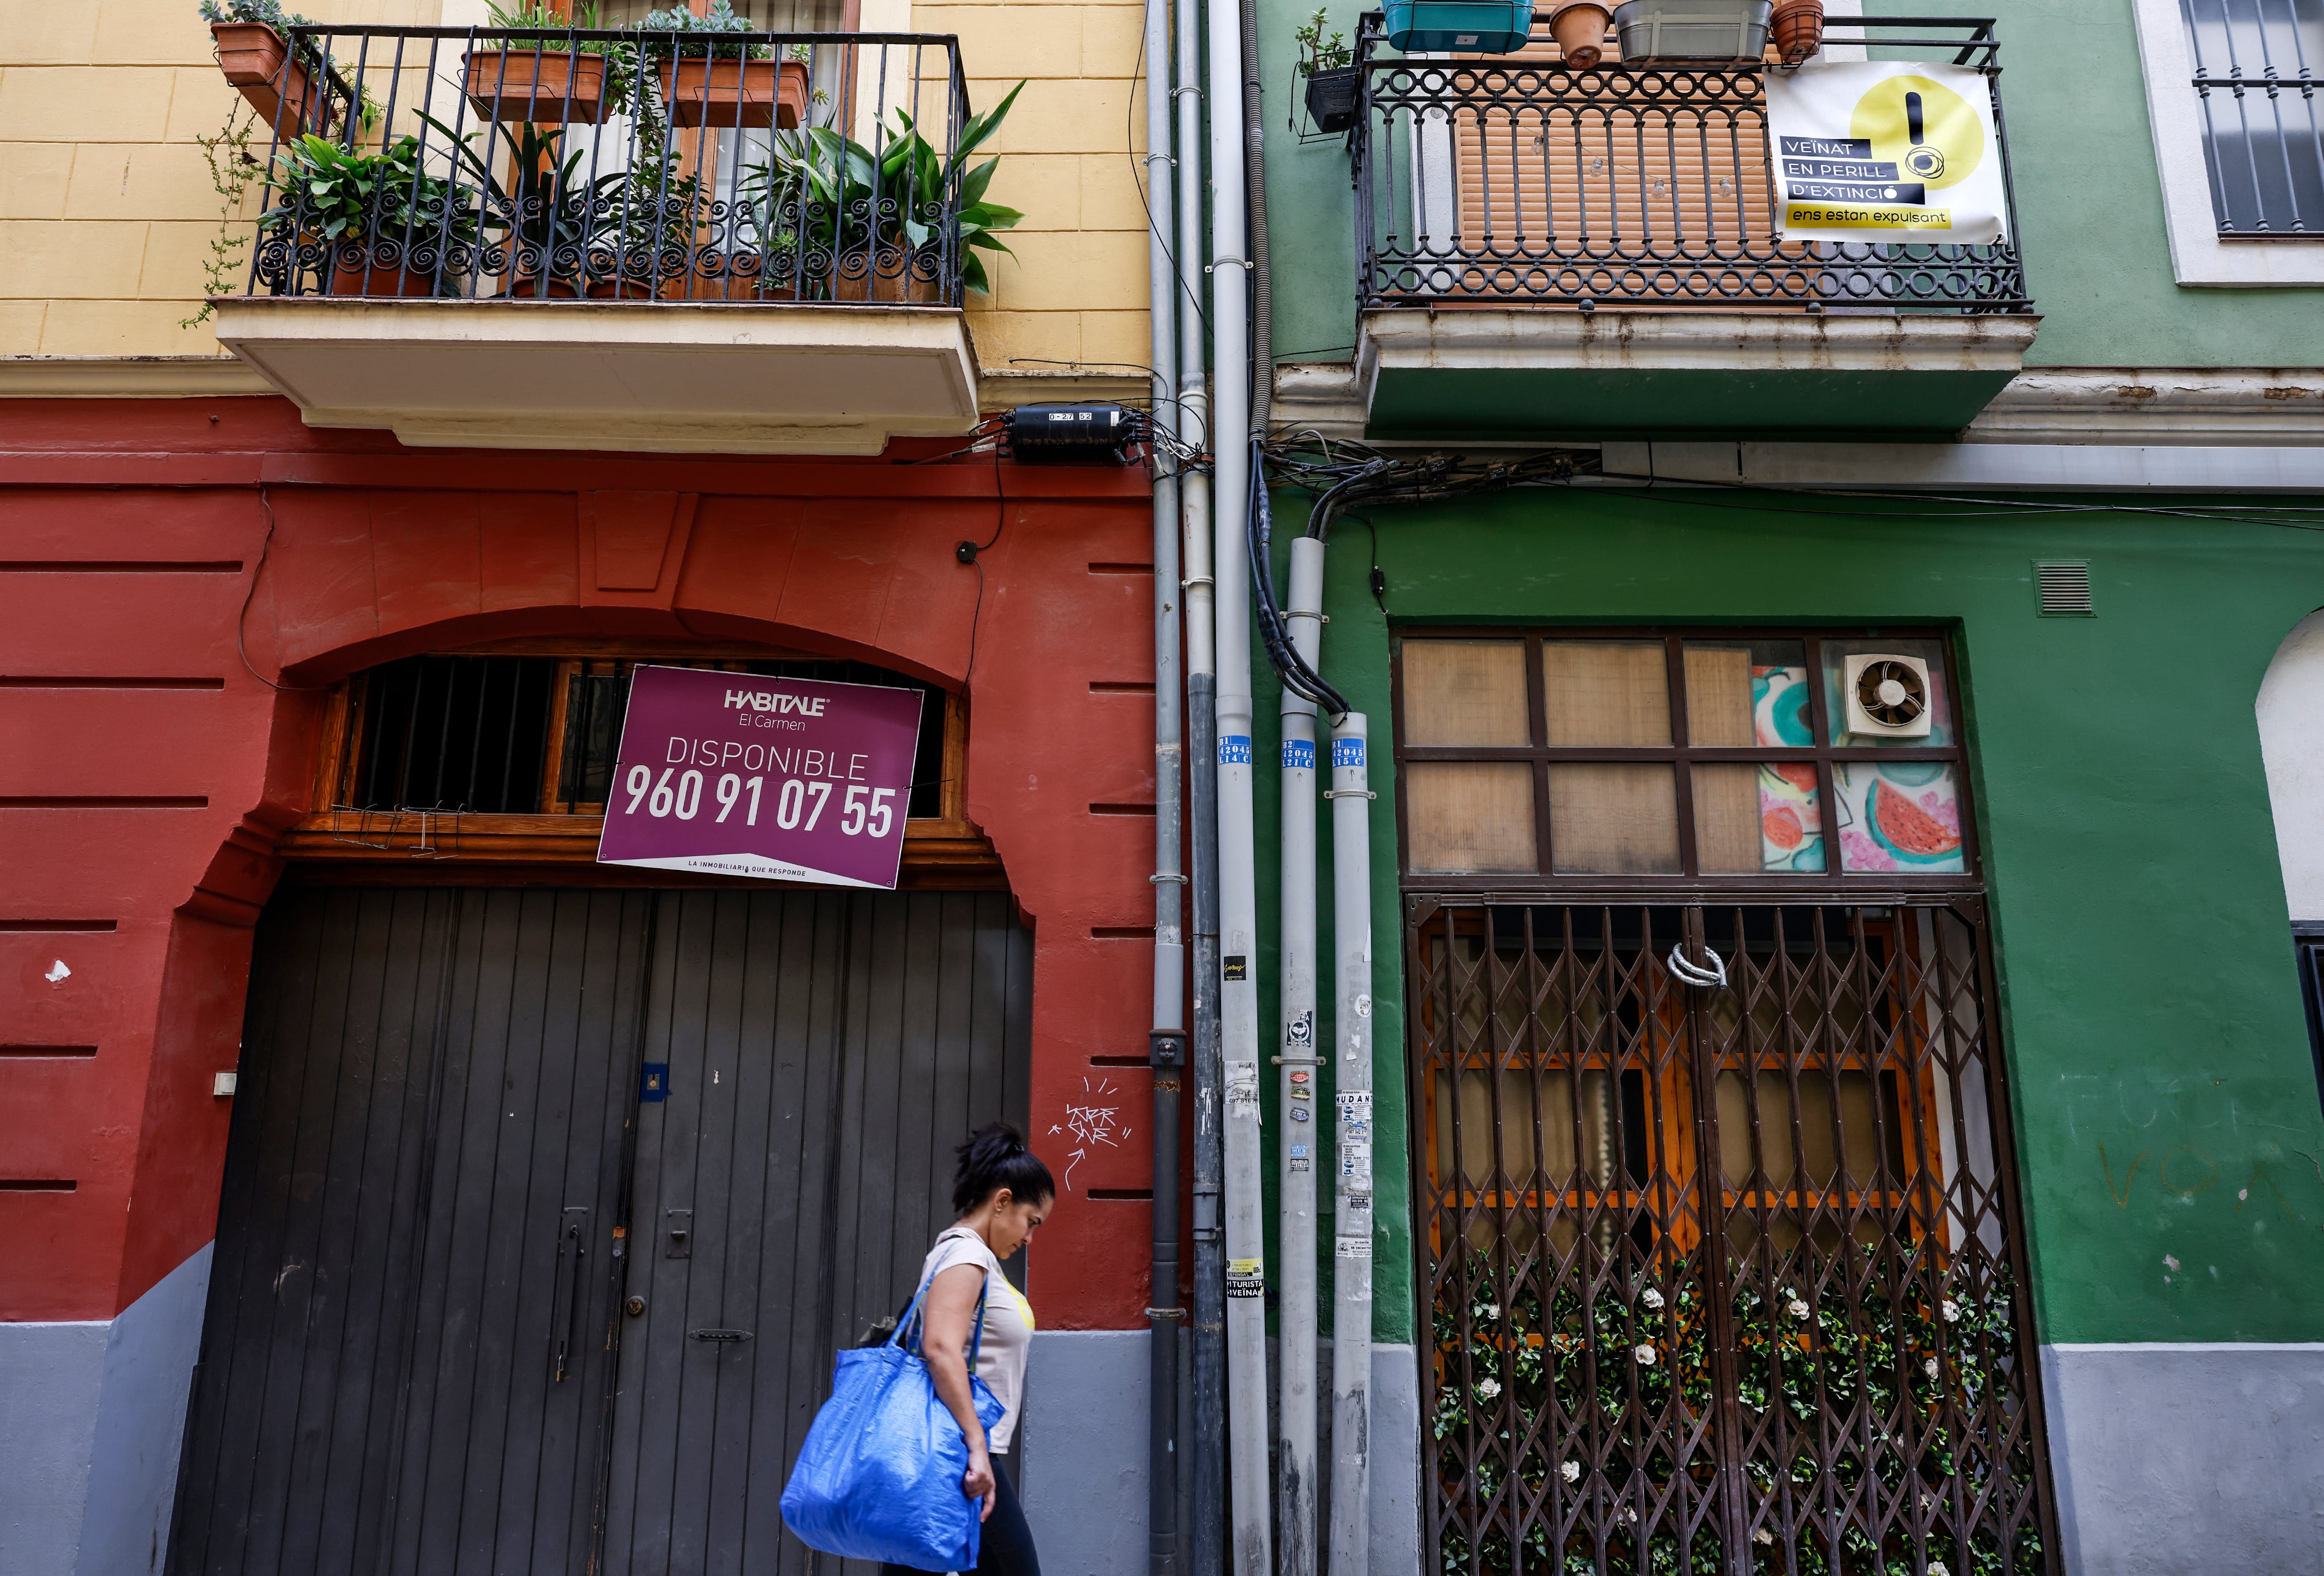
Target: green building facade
[2139, 893]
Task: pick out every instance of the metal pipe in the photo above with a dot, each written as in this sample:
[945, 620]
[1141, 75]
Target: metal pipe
[1296, 1129]
[1262, 282]
[1166, 1042]
[1207, 1551]
[1246, 1240]
[1352, 1067]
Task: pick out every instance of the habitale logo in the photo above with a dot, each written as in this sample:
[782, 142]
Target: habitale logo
[759, 700]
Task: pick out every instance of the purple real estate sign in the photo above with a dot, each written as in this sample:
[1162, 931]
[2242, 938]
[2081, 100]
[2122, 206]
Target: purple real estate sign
[786, 780]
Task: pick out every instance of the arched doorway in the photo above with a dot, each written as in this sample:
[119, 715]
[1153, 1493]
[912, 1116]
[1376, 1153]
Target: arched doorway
[2290, 709]
[551, 1187]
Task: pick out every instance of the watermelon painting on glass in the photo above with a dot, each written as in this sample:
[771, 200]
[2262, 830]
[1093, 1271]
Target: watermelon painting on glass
[1899, 816]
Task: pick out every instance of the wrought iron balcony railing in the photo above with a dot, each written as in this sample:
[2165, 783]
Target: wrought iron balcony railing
[1516, 180]
[578, 164]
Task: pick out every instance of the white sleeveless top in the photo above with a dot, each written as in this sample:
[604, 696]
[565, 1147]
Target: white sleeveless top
[1007, 1325]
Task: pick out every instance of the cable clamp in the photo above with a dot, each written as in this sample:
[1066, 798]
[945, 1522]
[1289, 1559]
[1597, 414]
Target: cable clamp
[1172, 877]
[1350, 794]
[1165, 1312]
[1197, 580]
[1228, 262]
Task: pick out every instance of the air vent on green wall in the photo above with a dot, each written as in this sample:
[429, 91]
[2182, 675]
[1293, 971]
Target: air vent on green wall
[2065, 586]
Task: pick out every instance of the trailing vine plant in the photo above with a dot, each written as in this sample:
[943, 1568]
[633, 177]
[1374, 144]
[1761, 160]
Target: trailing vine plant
[232, 166]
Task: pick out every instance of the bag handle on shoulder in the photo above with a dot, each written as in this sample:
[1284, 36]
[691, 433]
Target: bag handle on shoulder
[976, 1340]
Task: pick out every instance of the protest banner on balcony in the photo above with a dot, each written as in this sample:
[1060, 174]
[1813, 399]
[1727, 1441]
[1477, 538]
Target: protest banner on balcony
[1886, 150]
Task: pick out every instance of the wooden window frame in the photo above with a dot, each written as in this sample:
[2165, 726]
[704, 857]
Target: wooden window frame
[946, 848]
[1835, 881]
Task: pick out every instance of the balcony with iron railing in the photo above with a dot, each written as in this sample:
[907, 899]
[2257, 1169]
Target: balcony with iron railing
[568, 237]
[1542, 249]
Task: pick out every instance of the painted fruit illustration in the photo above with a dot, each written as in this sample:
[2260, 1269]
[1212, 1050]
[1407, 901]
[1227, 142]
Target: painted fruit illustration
[1907, 831]
[1781, 828]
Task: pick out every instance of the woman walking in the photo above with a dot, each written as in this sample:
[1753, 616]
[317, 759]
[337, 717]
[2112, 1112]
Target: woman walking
[1001, 1192]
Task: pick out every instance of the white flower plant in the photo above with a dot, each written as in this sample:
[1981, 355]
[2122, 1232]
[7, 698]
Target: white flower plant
[1522, 1384]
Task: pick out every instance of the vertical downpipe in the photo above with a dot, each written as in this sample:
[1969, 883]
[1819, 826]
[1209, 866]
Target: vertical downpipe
[1297, 1131]
[1352, 1067]
[1166, 1042]
[1249, 1549]
[1208, 1539]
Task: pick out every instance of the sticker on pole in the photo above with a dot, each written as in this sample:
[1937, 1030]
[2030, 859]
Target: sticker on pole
[1246, 1277]
[1886, 150]
[782, 780]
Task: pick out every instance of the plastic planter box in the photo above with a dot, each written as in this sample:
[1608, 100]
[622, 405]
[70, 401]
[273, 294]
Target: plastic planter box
[1468, 27]
[1693, 30]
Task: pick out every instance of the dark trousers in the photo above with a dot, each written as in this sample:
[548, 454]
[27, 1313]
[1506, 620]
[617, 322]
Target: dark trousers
[1005, 1547]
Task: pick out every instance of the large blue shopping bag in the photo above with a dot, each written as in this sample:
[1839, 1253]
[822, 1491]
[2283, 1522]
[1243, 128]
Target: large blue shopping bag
[879, 1478]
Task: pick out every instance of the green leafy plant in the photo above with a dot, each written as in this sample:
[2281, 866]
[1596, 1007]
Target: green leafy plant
[1317, 52]
[821, 196]
[336, 200]
[717, 18]
[549, 27]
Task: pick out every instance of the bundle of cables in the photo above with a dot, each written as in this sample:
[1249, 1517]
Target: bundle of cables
[1342, 476]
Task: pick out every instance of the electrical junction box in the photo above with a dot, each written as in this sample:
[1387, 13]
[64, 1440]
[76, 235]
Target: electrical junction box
[1468, 27]
[1096, 434]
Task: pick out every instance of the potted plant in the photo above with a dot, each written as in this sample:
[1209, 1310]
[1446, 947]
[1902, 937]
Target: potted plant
[1580, 29]
[1332, 80]
[1798, 28]
[255, 53]
[374, 224]
[709, 83]
[834, 220]
[539, 73]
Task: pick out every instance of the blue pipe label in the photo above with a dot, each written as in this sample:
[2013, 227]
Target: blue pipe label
[1346, 753]
[1234, 750]
[1299, 755]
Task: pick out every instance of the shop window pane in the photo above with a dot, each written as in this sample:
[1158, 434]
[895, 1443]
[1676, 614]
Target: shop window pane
[1471, 816]
[1856, 1132]
[1902, 709]
[1901, 815]
[1606, 691]
[1613, 818]
[1756, 817]
[1465, 692]
[1742, 693]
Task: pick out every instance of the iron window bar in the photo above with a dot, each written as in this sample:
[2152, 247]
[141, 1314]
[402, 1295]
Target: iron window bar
[567, 163]
[2255, 72]
[1513, 181]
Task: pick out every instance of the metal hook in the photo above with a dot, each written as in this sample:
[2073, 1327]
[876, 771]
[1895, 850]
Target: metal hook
[1714, 977]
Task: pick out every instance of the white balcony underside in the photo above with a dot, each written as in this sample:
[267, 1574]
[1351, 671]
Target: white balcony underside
[677, 377]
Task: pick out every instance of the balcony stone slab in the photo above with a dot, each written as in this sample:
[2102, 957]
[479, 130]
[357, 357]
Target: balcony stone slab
[1536, 373]
[657, 377]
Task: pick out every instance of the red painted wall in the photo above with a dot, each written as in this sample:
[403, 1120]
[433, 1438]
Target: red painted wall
[147, 763]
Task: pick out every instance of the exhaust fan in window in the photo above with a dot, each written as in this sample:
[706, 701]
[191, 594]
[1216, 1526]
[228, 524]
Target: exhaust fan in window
[1888, 696]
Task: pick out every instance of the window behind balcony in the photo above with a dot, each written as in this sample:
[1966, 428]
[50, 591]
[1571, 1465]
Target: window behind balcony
[2257, 64]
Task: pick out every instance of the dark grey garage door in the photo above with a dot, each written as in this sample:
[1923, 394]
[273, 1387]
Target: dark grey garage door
[545, 1212]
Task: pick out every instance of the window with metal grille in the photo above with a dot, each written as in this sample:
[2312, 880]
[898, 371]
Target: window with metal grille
[492, 734]
[1724, 757]
[2257, 64]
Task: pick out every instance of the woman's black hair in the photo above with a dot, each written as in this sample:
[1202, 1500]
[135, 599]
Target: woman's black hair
[995, 1157]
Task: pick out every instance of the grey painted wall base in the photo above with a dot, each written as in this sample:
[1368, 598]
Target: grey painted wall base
[91, 1418]
[1083, 1453]
[2174, 1459]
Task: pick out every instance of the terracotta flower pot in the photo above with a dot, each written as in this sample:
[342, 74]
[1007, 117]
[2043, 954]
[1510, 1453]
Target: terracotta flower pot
[252, 55]
[1797, 27]
[730, 92]
[364, 279]
[547, 87]
[1581, 35]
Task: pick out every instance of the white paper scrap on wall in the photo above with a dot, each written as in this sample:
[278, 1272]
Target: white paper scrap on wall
[1886, 150]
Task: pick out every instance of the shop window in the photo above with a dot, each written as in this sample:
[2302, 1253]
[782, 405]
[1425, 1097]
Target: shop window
[507, 752]
[1713, 755]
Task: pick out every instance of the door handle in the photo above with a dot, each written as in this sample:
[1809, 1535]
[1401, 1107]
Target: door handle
[572, 1254]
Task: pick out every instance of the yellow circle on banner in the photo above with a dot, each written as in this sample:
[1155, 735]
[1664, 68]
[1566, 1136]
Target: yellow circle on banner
[1951, 140]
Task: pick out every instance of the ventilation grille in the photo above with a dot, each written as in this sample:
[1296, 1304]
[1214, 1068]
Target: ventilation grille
[2065, 585]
